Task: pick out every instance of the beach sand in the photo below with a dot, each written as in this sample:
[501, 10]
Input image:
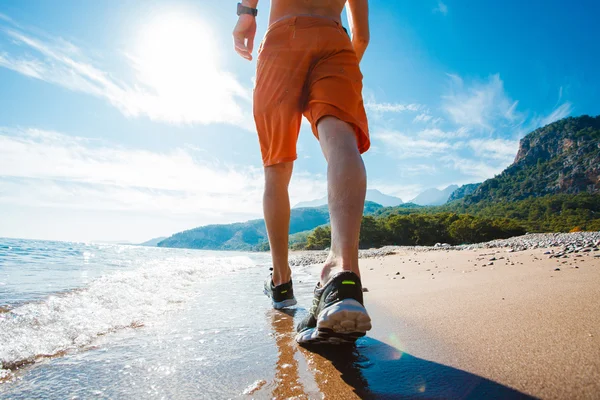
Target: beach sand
[485, 323]
[518, 322]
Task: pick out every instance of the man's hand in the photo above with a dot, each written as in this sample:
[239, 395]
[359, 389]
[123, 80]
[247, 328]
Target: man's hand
[243, 35]
[358, 18]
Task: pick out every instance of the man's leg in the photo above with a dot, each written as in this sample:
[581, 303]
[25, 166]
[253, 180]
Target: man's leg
[276, 208]
[346, 187]
[339, 315]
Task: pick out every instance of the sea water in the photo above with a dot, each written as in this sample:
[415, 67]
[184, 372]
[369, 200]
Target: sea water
[84, 320]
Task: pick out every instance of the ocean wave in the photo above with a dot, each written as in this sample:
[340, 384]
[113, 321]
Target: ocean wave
[128, 299]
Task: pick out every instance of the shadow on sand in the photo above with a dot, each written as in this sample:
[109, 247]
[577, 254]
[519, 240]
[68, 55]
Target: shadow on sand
[377, 370]
[374, 370]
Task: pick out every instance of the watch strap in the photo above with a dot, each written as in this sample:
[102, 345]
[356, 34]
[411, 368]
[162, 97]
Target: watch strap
[242, 9]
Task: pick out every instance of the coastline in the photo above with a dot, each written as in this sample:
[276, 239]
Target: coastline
[463, 323]
[522, 313]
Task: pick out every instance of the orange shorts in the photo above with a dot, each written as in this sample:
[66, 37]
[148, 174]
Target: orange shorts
[306, 66]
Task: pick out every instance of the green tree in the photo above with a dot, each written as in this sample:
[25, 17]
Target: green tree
[319, 239]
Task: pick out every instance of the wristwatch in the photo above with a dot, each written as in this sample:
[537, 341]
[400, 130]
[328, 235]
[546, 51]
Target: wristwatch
[242, 9]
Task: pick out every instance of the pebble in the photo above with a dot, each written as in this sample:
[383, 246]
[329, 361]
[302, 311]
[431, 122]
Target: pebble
[566, 242]
[557, 269]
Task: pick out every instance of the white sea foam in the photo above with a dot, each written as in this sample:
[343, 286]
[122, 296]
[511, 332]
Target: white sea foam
[254, 387]
[133, 298]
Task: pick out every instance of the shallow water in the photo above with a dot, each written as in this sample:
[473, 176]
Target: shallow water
[100, 306]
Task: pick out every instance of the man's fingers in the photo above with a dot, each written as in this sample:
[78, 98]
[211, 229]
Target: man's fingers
[241, 48]
[244, 54]
[238, 40]
[250, 45]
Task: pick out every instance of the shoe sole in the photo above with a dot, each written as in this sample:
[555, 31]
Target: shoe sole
[278, 305]
[340, 323]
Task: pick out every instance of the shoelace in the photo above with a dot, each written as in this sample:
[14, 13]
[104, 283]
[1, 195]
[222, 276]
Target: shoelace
[315, 305]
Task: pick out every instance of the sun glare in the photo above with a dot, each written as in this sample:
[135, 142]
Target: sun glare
[176, 61]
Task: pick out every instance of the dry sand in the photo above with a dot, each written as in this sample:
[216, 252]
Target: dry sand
[518, 322]
[447, 324]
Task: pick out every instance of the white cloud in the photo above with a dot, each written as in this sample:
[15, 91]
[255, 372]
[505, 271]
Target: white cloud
[392, 107]
[422, 118]
[560, 93]
[559, 112]
[498, 149]
[408, 170]
[482, 105]
[436, 133]
[403, 146]
[178, 81]
[41, 168]
[478, 169]
[441, 8]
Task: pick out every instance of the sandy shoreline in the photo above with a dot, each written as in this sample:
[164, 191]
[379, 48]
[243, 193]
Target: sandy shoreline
[464, 323]
[506, 319]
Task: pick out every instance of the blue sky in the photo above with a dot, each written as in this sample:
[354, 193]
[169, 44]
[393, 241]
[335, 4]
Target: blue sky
[127, 120]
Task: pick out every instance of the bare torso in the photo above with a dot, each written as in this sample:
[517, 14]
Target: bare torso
[325, 8]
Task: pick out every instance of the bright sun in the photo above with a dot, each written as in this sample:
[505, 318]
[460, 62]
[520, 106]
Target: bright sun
[176, 60]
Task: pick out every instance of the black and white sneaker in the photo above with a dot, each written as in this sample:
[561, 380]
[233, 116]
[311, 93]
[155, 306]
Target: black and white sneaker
[282, 295]
[338, 315]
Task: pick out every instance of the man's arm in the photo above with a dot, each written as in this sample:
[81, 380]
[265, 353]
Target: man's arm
[245, 31]
[358, 18]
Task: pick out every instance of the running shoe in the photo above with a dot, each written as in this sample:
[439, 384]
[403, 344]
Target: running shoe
[282, 295]
[337, 315]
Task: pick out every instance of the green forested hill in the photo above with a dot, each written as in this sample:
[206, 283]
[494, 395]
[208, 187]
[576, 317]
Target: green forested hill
[552, 186]
[250, 235]
[563, 157]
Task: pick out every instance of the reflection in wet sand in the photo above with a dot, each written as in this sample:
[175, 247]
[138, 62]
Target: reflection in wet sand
[369, 370]
[287, 381]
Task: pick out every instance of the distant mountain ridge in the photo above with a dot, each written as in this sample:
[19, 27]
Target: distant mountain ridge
[562, 157]
[249, 235]
[153, 242]
[373, 195]
[463, 191]
[434, 197]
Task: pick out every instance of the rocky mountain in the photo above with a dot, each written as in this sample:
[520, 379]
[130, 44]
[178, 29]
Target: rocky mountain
[463, 191]
[250, 235]
[434, 197]
[562, 157]
[373, 195]
[385, 200]
[312, 203]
